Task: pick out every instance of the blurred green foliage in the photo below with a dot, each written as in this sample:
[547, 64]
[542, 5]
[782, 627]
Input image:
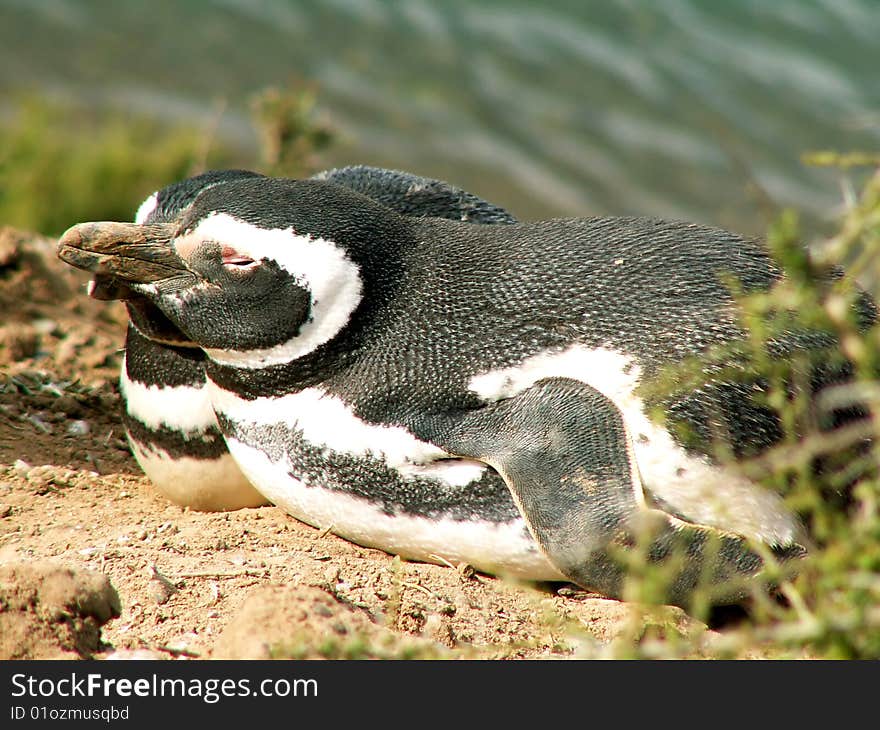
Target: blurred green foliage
[62, 163]
[290, 136]
[835, 602]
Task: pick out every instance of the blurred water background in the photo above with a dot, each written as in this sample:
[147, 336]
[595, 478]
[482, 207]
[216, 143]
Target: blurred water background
[687, 109]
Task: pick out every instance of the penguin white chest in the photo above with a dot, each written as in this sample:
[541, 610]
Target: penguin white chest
[376, 485]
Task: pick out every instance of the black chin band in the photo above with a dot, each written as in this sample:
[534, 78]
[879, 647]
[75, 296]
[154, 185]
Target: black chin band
[150, 322]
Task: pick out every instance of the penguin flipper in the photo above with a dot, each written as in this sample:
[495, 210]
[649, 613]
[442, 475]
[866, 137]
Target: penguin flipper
[564, 452]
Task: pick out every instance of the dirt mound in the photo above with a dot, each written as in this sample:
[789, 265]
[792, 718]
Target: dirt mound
[49, 611]
[301, 622]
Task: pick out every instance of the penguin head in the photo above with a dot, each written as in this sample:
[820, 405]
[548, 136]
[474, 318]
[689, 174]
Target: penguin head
[256, 271]
[162, 206]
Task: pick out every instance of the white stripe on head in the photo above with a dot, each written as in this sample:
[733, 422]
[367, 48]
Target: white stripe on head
[146, 208]
[320, 266]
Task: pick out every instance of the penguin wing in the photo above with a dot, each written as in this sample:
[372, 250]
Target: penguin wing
[564, 452]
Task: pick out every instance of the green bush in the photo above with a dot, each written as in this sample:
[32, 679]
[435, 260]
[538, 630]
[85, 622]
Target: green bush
[290, 136]
[826, 470]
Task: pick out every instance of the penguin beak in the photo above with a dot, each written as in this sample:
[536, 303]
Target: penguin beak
[120, 254]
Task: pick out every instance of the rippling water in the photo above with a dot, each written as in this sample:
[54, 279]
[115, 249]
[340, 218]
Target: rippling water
[683, 108]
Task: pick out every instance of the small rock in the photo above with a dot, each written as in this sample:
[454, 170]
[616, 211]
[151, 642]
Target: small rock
[67, 478]
[41, 477]
[5, 510]
[68, 405]
[438, 629]
[180, 645]
[572, 591]
[21, 467]
[162, 587]
[45, 326]
[78, 428]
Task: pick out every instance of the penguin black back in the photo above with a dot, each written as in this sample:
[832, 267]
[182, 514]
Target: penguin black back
[417, 196]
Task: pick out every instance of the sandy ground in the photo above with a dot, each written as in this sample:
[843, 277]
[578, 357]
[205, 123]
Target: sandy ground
[94, 562]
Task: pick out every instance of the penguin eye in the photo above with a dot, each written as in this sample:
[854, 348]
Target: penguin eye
[233, 259]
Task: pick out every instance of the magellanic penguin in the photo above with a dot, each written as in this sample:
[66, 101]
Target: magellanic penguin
[167, 413]
[456, 392]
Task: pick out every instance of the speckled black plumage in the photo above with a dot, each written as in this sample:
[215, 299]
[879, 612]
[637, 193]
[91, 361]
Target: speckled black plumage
[147, 363]
[446, 301]
[174, 198]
